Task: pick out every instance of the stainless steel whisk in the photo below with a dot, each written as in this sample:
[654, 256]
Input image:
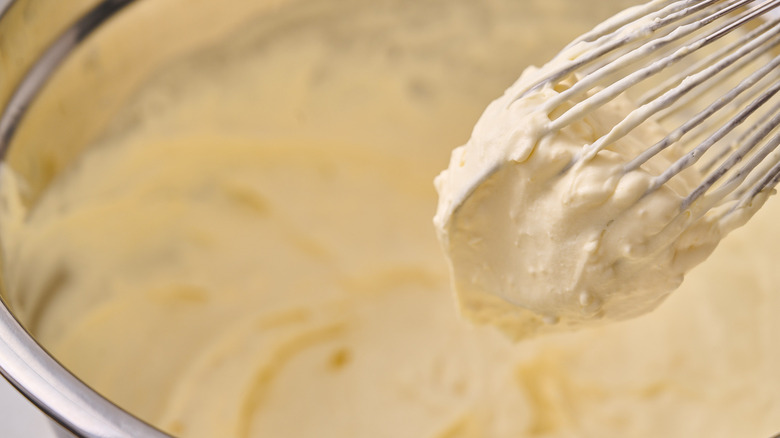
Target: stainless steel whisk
[725, 92]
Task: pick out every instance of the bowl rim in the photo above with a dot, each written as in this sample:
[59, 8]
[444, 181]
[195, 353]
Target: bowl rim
[35, 373]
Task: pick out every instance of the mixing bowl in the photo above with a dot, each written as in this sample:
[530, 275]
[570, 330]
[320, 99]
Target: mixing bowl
[71, 73]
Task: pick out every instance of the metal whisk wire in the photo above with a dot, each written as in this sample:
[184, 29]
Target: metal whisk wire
[642, 51]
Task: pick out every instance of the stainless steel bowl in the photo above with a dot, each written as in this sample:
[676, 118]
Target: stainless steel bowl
[63, 397]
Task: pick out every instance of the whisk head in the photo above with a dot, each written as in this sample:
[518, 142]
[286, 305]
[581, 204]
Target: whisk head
[590, 188]
[707, 69]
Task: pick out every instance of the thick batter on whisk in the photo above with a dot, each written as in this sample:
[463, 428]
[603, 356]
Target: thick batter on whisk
[536, 245]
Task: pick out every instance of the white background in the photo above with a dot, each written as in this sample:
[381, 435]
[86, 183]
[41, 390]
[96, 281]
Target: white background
[18, 417]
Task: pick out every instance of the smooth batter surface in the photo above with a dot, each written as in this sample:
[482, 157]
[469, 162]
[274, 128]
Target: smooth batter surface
[248, 253]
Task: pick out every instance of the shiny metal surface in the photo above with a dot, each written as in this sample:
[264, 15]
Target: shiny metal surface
[58, 393]
[4, 5]
[37, 76]
[23, 362]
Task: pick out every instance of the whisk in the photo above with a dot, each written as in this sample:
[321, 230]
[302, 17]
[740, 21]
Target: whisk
[572, 213]
[675, 57]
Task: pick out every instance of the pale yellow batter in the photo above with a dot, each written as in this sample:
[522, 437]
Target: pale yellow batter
[248, 252]
[542, 236]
